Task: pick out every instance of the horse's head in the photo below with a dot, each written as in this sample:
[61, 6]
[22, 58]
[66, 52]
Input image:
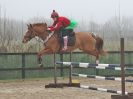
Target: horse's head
[34, 30]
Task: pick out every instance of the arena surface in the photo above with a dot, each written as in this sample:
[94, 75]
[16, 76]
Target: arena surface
[35, 89]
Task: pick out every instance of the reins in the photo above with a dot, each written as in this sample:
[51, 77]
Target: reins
[48, 37]
[45, 40]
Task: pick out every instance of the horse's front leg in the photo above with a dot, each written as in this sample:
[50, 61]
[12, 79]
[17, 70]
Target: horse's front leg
[42, 52]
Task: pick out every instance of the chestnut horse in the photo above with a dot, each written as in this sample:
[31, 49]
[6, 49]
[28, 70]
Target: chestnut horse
[86, 42]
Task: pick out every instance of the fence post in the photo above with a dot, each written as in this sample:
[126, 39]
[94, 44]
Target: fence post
[123, 95]
[61, 70]
[70, 69]
[23, 66]
[122, 67]
[55, 72]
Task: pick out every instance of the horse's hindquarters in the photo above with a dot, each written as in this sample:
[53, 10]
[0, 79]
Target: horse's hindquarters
[99, 45]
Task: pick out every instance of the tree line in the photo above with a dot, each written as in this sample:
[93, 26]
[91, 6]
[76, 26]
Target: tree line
[12, 31]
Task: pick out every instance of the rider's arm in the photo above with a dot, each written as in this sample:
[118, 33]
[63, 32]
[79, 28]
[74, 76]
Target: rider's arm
[57, 26]
[53, 25]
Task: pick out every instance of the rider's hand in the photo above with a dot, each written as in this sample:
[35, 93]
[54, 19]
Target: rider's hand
[48, 30]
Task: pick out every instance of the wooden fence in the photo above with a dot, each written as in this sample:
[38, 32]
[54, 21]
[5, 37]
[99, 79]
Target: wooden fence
[23, 68]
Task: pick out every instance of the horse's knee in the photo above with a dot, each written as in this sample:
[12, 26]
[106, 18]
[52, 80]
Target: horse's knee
[39, 58]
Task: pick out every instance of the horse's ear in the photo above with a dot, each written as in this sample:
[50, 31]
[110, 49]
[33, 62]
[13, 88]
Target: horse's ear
[29, 25]
[45, 24]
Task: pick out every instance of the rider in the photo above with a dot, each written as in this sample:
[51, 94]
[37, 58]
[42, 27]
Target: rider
[61, 22]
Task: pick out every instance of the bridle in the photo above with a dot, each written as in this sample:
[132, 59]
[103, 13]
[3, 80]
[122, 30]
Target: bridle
[45, 40]
[31, 35]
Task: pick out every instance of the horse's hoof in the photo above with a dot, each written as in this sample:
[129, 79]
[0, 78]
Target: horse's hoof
[40, 65]
[97, 61]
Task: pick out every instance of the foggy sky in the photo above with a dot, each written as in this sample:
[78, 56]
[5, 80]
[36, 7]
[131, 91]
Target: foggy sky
[97, 10]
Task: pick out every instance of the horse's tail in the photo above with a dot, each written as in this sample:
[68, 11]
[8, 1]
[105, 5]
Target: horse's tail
[99, 45]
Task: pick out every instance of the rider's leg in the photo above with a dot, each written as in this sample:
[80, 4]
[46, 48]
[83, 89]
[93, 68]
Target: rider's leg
[65, 38]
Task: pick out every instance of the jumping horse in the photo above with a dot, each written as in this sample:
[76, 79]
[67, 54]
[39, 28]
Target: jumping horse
[87, 42]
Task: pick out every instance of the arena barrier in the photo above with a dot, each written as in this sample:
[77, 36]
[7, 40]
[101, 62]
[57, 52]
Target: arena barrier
[122, 94]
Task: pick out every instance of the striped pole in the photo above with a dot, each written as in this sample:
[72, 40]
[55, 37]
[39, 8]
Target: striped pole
[100, 66]
[101, 77]
[87, 64]
[102, 89]
[113, 68]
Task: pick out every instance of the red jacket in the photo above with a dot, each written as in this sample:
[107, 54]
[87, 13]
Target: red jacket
[61, 22]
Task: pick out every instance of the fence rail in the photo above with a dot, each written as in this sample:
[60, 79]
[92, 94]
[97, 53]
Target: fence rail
[23, 68]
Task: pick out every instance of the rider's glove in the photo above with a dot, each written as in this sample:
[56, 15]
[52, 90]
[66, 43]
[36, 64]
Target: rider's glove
[49, 30]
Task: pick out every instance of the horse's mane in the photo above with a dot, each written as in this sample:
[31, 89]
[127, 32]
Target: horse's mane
[38, 24]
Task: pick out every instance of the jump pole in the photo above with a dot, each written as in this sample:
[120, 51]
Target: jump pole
[123, 95]
[55, 84]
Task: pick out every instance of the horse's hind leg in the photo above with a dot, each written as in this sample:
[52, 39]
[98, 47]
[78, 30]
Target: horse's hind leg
[97, 59]
[94, 53]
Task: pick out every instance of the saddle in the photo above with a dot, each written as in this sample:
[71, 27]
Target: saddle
[71, 37]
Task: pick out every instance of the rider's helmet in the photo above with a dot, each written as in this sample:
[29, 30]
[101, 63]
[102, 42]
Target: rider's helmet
[54, 14]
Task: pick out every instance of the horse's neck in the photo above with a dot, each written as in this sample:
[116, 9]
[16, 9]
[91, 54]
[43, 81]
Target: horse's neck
[46, 38]
[43, 35]
[40, 32]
